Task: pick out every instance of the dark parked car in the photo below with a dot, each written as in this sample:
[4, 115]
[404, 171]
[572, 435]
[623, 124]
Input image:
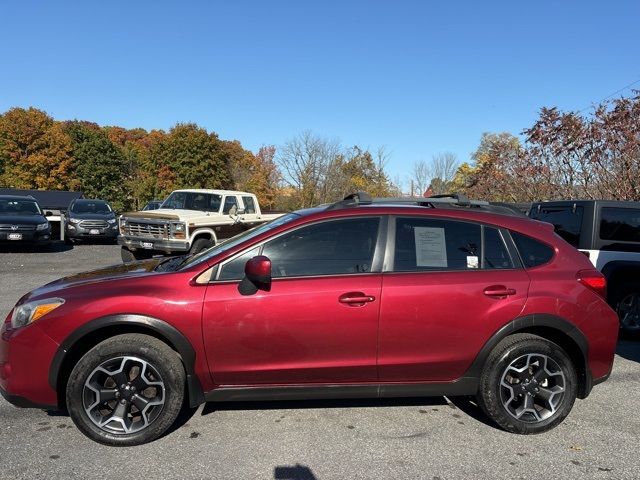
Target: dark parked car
[352, 300]
[90, 219]
[153, 205]
[22, 221]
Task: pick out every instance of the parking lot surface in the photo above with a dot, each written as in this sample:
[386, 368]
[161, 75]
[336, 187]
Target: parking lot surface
[426, 438]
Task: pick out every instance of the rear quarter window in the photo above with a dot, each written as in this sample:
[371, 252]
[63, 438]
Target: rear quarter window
[533, 252]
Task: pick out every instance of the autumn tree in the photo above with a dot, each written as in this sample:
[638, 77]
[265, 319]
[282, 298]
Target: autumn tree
[189, 157]
[100, 164]
[35, 152]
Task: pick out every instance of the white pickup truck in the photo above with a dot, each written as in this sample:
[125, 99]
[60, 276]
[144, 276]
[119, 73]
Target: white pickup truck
[189, 221]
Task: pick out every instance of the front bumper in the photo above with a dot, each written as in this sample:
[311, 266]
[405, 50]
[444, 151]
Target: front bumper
[145, 243]
[78, 231]
[25, 358]
[37, 237]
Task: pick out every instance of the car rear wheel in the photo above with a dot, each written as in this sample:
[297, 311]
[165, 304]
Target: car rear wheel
[127, 390]
[528, 384]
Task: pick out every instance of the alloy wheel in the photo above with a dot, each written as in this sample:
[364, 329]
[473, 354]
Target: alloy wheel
[123, 395]
[532, 388]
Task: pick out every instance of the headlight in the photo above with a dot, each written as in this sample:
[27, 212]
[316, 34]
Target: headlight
[111, 221]
[31, 311]
[42, 226]
[74, 220]
[177, 227]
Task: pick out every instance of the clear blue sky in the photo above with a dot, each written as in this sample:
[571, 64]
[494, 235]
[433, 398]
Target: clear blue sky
[417, 77]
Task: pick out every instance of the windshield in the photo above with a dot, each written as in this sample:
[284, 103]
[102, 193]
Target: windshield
[19, 207]
[208, 202]
[233, 241]
[90, 207]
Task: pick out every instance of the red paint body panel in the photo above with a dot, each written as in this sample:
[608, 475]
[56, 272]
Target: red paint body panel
[433, 324]
[25, 352]
[298, 332]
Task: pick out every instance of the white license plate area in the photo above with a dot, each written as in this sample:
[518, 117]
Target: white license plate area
[147, 245]
[94, 231]
[15, 236]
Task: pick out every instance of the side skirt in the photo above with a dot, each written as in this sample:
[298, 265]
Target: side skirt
[461, 387]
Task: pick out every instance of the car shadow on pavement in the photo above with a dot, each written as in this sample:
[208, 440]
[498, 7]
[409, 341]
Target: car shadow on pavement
[468, 406]
[295, 472]
[53, 247]
[629, 349]
[212, 407]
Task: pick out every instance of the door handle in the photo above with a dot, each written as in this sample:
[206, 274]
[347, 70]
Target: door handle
[356, 299]
[499, 291]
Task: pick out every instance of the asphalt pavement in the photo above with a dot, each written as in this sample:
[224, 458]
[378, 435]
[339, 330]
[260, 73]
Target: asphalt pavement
[426, 438]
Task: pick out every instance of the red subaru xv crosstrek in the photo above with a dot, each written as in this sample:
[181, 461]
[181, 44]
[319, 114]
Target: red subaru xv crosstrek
[356, 299]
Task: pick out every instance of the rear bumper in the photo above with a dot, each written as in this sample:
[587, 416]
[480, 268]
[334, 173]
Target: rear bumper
[144, 243]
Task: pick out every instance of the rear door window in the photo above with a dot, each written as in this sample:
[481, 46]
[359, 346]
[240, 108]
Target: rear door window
[424, 244]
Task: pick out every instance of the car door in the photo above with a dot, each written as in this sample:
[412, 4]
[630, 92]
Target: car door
[319, 321]
[448, 286]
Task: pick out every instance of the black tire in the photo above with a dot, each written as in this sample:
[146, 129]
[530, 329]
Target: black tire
[68, 240]
[503, 402]
[148, 354]
[625, 300]
[200, 244]
[133, 256]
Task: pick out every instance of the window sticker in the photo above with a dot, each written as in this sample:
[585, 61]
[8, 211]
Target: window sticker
[472, 261]
[431, 249]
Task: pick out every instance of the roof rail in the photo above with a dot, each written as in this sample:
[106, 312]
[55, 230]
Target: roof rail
[352, 200]
[450, 200]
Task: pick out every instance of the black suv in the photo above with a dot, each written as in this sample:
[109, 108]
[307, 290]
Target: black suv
[608, 232]
[90, 219]
[23, 221]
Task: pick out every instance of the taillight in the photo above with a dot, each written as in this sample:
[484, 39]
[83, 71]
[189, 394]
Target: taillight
[594, 280]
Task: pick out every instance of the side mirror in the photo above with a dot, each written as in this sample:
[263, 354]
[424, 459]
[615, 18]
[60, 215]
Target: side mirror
[257, 276]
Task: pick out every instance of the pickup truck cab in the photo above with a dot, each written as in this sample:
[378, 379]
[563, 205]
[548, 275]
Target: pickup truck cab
[189, 221]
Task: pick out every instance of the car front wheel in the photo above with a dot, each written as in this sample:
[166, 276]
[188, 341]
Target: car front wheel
[127, 390]
[528, 384]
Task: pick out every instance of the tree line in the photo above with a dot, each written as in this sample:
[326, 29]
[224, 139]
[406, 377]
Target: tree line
[564, 155]
[129, 167]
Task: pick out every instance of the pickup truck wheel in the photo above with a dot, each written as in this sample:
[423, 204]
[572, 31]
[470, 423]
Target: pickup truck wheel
[127, 390]
[131, 256]
[200, 244]
[528, 384]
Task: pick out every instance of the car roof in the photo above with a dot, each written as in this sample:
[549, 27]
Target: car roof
[459, 208]
[216, 192]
